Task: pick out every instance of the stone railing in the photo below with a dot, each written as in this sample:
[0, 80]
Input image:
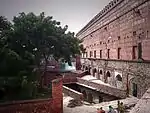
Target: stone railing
[103, 88]
[74, 94]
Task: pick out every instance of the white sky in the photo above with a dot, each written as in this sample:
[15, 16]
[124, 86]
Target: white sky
[74, 13]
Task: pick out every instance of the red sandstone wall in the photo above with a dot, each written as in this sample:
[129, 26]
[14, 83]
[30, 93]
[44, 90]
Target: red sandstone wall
[53, 105]
[122, 21]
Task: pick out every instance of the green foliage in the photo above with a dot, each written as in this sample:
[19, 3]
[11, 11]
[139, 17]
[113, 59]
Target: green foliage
[24, 43]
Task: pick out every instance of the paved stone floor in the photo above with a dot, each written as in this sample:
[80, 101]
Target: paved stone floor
[87, 108]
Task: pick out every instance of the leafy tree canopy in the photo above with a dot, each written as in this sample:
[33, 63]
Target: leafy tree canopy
[27, 41]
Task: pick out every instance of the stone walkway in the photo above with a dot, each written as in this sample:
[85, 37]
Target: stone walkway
[88, 108]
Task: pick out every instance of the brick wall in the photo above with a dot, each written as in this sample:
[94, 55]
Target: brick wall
[52, 105]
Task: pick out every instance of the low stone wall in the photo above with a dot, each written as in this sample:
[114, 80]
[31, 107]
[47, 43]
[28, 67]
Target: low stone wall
[51, 105]
[103, 88]
[74, 94]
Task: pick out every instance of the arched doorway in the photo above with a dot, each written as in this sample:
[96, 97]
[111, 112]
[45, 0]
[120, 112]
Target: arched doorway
[119, 78]
[94, 72]
[107, 76]
[90, 98]
[86, 68]
[101, 72]
[84, 95]
[134, 89]
[119, 81]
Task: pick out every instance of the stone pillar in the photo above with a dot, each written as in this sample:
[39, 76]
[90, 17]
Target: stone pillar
[78, 62]
[57, 105]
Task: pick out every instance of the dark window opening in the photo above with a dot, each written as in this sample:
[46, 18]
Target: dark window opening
[119, 53]
[139, 51]
[134, 90]
[94, 54]
[108, 52]
[118, 37]
[100, 53]
[86, 54]
[90, 53]
[134, 52]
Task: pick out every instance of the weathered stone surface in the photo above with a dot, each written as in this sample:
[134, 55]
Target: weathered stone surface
[143, 105]
[72, 93]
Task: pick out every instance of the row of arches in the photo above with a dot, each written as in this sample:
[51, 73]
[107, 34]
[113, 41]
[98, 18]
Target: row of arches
[105, 77]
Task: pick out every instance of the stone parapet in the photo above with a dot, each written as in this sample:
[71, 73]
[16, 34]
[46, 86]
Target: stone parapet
[103, 88]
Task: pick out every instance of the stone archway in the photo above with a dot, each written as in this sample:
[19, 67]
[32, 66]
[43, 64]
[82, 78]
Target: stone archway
[94, 72]
[133, 86]
[86, 68]
[119, 78]
[84, 95]
[107, 76]
[101, 72]
[90, 98]
[119, 81]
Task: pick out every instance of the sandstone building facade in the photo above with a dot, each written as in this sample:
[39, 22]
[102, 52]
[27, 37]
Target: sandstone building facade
[117, 42]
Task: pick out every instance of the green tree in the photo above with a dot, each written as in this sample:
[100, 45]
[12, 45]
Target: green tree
[28, 41]
[44, 38]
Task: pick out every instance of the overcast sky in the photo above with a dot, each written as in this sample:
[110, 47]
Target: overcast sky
[74, 13]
